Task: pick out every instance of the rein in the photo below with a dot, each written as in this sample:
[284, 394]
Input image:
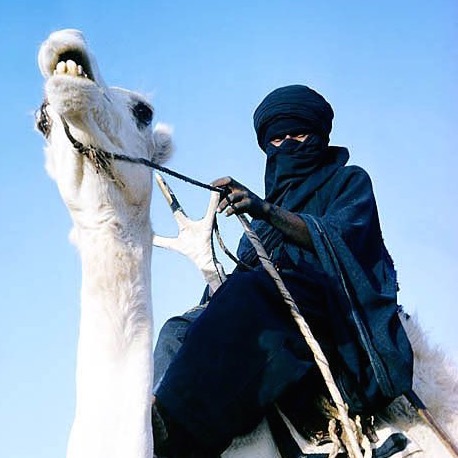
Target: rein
[91, 150]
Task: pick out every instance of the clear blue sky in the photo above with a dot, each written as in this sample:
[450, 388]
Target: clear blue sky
[388, 68]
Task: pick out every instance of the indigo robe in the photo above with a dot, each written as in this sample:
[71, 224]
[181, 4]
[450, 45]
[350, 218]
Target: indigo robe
[245, 352]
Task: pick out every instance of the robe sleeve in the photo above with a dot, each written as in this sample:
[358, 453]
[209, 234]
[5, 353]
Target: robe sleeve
[352, 211]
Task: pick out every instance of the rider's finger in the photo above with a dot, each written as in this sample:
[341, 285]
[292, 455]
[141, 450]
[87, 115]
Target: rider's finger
[222, 205]
[221, 182]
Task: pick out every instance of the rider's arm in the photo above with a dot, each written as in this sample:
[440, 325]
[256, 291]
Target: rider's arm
[241, 200]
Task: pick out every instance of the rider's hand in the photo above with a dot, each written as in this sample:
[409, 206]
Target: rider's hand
[240, 199]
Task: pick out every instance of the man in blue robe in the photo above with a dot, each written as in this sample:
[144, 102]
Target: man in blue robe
[243, 352]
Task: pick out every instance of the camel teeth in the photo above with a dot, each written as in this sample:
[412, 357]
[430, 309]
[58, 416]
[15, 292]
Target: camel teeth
[71, 67]
[61, 68]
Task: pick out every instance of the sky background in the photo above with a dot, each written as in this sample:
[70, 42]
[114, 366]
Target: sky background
[389, 69]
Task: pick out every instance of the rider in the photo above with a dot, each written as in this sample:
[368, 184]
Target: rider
[243, 352]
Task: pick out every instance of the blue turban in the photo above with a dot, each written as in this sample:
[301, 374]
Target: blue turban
[292, 109]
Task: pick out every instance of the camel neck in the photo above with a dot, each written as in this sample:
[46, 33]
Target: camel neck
[114, 363]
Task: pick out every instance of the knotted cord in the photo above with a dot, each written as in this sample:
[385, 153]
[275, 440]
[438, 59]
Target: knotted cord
[91, 150]
[351, 441]
[221, 243]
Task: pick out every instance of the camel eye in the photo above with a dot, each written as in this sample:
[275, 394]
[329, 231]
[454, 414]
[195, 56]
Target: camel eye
[143, 114]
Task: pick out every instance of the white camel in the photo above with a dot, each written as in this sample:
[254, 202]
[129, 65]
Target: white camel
[109, 203]
[110, 208]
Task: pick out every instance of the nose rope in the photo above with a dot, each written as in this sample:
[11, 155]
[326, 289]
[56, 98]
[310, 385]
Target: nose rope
[87, 150]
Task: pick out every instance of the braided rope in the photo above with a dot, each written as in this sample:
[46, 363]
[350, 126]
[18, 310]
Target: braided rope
[351, 441]
[362, 438]
[107, 155]
[336, 444]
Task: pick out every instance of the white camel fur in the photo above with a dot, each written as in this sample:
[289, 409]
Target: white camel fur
[110, 210]
[112, 230]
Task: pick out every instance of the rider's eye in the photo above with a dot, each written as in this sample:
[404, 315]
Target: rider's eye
[300, 136]
[277, 141]
[143, 114]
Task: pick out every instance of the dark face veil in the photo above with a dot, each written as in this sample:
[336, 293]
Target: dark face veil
[294, 170]
[290, 108]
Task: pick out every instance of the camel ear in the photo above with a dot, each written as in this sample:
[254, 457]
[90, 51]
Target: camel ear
[163, 145]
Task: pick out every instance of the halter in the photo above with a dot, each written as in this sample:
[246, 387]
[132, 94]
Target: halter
[91, 150]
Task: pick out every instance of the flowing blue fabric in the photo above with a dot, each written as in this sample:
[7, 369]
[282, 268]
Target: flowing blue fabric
[244, 352]
[338, 205]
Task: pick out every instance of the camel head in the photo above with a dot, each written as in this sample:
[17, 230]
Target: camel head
[111, 119]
